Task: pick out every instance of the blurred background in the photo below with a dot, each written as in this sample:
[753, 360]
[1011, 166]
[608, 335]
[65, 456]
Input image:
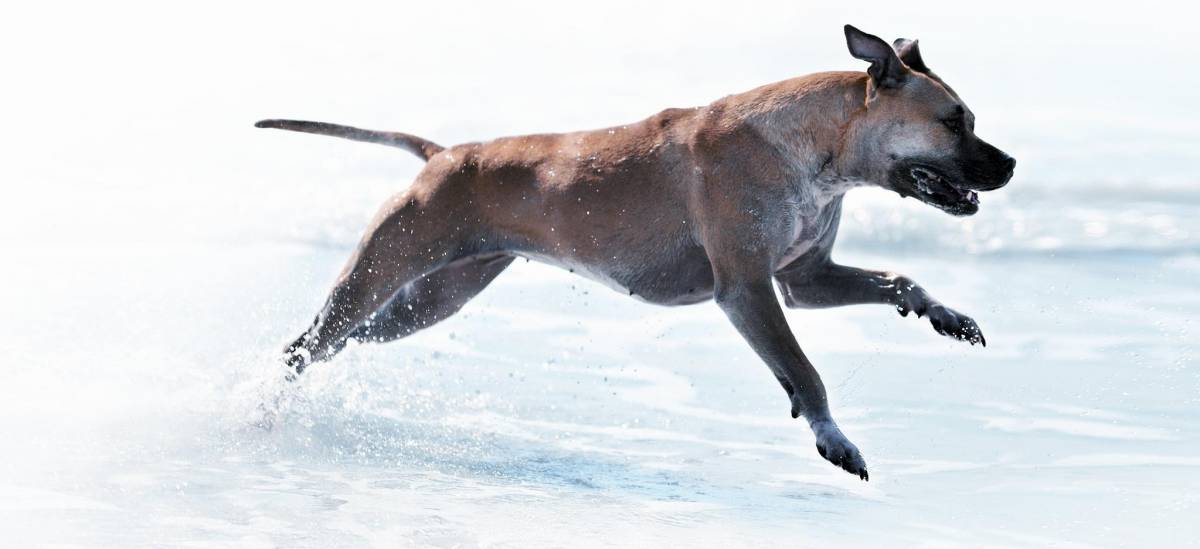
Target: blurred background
[159, 250]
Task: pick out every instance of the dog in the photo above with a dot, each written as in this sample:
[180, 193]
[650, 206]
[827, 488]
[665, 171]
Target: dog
[713, 202]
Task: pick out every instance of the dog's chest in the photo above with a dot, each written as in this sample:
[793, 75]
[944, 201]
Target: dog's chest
[812, 233]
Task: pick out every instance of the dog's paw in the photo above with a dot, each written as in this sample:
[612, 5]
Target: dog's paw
[294, 364]
[948, 322]
[835, 448]
[910, 297]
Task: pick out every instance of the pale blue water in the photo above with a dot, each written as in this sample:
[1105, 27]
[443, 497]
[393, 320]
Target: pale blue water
[554, 409]
[156, 264]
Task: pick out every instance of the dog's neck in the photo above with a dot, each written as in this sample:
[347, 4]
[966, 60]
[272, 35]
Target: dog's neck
[807, 119]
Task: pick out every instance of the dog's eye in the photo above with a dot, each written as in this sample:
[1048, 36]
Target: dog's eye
[954, 124]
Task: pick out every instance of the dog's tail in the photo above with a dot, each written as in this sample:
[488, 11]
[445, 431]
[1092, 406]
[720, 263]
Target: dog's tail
[411, 143]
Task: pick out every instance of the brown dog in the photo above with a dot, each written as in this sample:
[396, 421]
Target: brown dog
[687, 205]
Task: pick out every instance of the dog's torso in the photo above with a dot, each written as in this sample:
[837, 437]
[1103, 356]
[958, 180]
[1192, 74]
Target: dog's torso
[633, 206]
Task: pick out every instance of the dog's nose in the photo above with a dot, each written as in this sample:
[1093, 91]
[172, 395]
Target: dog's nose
[1010, 165]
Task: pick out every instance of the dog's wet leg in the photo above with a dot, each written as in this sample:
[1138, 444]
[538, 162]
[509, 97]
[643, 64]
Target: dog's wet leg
[826, 284]
[408, 239]
[754, 310]
[432, 298]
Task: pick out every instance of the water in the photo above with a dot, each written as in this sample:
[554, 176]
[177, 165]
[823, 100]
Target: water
[161, 251]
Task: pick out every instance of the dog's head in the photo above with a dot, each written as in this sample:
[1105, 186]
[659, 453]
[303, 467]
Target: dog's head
[916, 136]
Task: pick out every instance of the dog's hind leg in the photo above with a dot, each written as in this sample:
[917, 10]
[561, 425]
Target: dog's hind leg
[412, 236]
[432, 298]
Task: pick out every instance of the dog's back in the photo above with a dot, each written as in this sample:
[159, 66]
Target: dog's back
[606, 202]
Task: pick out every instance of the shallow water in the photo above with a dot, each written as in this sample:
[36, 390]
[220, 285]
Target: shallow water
[159, 251]
[554, 409]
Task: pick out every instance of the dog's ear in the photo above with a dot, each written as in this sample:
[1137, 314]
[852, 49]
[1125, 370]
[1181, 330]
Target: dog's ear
[910, 54]
[886, 68]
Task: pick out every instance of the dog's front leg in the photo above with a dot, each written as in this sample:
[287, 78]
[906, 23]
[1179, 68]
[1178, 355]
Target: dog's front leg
[827, 284]
[754, 310]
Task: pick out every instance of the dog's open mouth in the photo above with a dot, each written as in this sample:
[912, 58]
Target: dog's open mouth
[933, 189]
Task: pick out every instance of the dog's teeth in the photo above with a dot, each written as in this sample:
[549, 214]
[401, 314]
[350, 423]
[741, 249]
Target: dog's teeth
[973, 197]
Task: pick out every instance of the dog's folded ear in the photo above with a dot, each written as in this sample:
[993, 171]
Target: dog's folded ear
[886, 68]
[910, 54]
